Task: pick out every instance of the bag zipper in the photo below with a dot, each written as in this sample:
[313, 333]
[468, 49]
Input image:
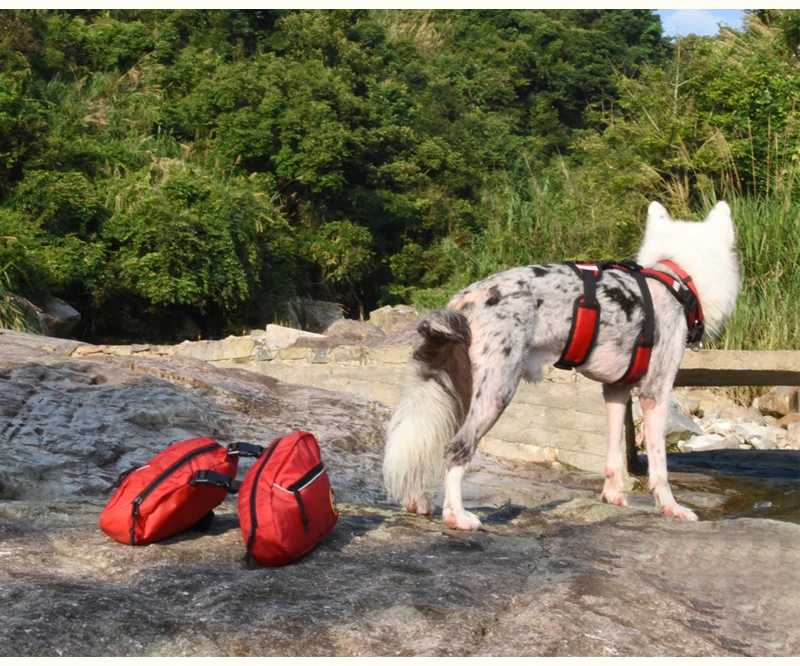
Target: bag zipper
[307, 478]
[137, 502]
[253, 519]
[304, 481]
[122, 477]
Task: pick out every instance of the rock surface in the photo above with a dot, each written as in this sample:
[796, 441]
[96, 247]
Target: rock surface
[554, 572]
[314, 316]
[389, 316]
[350, 330]
[61, 318]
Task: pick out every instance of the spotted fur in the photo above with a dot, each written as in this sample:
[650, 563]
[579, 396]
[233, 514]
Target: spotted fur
[508, 326]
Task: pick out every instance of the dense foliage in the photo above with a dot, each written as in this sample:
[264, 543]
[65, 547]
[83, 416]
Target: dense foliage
[217, 163]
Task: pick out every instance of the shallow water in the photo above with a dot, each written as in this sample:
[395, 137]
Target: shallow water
[731, 483]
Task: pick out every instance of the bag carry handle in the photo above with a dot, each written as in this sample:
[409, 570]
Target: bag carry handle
[207, 477]
[245, 450]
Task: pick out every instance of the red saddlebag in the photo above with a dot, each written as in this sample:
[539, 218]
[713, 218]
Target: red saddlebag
[286, 503]
[171, 493]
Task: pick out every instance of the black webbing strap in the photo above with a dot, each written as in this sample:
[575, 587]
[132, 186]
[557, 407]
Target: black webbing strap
[640, 356]
[245, 450]
[207, 477]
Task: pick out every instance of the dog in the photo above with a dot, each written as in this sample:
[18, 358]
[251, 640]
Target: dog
[474, 353]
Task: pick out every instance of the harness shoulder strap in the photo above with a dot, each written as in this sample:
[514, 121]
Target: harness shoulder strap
[685, 292]
[643, 347]
[585, 319]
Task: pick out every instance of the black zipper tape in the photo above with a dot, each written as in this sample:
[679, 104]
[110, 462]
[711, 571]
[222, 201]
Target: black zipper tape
[121, 478]
[302, 510]
[180, 462]
[253, 521]
[303, 480]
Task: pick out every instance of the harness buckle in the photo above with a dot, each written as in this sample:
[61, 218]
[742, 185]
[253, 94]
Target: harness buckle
[629, 264]
[695, 334]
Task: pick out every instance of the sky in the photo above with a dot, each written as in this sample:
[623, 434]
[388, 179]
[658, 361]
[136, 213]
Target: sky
[699, 21]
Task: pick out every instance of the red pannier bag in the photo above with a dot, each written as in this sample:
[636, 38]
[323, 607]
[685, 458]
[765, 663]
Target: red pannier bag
[286, 503]
[174, 491]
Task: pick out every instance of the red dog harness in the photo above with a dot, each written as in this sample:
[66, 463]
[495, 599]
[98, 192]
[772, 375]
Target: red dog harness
[586, 313]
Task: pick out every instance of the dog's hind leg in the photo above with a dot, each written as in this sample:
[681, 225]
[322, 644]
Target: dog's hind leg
[495, 380]
[655, 414]
[616, 398]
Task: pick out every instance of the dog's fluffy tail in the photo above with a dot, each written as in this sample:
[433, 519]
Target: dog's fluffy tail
[436, 398]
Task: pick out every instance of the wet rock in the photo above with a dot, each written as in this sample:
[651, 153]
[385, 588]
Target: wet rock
[778, 402]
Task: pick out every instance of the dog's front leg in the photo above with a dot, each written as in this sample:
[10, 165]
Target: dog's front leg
[655, 413]
[616, 398]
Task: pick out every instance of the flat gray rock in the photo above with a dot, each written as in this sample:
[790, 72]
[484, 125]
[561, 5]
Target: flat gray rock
[554, 572]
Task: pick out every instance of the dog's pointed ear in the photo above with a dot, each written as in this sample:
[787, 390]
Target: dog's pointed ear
[721, 220]
[657, 216]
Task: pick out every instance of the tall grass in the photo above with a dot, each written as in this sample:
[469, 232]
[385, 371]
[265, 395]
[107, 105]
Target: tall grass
[767, 315]
[553, 221]
[16, 313]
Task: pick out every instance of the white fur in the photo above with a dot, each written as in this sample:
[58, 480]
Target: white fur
[696, 248]
[426, 418]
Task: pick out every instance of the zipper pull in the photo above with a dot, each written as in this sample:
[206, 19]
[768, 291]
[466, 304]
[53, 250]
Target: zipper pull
[134, 515]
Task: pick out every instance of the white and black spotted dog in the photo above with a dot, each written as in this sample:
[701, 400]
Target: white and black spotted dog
[506, 327]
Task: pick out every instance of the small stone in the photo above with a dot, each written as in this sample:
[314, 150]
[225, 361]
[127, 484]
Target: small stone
[707, 442]
[792, 436]
[751, 430]
[779, 401]
[86, 350]
[787, 420]
[739, 412]
[262, 354]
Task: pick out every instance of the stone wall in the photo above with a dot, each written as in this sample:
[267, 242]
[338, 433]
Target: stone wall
[560, 420]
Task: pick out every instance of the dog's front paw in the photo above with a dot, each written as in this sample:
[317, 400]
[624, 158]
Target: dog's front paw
[678, 511]
[463, 520]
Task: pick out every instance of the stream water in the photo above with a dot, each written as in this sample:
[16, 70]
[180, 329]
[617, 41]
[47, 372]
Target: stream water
[728, 484]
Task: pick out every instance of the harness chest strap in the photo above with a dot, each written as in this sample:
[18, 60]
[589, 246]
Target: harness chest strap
[586, 314]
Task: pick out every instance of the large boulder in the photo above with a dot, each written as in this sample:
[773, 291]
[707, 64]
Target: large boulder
[314, 316]
[61, 318]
